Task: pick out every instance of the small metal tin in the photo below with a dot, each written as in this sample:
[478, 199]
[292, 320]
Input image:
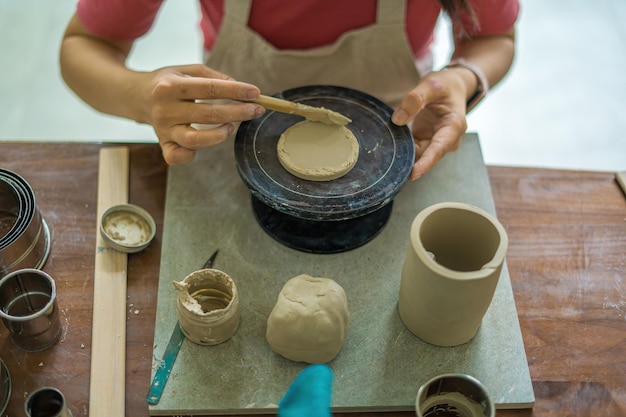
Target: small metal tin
[455, 394]
[127, 228]
[46, 402]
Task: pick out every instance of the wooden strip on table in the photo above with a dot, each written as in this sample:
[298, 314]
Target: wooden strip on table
[621, 180]
[108, 346]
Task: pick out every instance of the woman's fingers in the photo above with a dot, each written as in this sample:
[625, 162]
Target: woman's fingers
[182, 96]
[175, 84]
[199, 70]
[429, 152]
[183, 142]
[428, 91]
[210, 112]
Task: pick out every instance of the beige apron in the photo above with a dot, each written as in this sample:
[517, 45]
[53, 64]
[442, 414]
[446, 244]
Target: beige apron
[376, 59]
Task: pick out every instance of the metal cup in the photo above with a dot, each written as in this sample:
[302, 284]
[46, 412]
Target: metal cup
[28, 308]
[46, 402]
[454, 395]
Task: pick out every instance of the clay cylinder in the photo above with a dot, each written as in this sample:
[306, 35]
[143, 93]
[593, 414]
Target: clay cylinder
[451, 269]
[208, 307]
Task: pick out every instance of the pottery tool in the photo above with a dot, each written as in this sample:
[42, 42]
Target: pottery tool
[171, 352]
[316, 114]
[107, 391]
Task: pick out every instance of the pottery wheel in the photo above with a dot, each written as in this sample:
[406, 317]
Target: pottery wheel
[386, 155]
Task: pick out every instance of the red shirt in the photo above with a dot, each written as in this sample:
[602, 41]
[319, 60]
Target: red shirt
[300, 24]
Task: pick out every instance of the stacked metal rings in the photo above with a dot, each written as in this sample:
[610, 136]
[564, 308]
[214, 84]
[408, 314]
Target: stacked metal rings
[24, 235]
[5, 387]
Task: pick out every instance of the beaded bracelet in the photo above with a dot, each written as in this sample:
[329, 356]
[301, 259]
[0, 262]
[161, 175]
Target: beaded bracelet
[483, 84]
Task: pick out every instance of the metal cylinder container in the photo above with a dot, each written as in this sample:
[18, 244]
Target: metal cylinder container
[28, 308]
[46, 402]
[453, 395]
[24, 234]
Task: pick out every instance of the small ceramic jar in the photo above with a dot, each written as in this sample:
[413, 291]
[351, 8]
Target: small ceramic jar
[208, 306]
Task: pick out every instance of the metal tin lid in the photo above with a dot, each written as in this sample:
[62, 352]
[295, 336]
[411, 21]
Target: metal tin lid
[127, 228]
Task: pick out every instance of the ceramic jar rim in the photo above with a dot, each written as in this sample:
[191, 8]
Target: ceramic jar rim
[423, 254]
[223, 279]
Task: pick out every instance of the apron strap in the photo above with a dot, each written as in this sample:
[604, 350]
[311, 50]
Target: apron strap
[391, 11]
[238, 10]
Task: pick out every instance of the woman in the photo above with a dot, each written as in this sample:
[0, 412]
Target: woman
[381, 48]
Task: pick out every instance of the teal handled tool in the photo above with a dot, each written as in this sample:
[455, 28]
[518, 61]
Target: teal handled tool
[165, 367]
[171, 352]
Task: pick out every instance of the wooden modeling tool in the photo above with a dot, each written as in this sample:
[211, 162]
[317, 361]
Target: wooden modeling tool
[316, 114]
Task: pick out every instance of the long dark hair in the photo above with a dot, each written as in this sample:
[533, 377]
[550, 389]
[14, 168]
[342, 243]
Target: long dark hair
[459, 10]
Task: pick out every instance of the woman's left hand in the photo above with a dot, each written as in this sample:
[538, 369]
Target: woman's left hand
[436, 109]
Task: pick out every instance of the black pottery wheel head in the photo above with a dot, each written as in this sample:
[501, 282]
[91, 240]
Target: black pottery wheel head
[386, 154]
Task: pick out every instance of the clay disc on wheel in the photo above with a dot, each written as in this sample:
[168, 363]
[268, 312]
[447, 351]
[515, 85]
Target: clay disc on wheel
[317, 151]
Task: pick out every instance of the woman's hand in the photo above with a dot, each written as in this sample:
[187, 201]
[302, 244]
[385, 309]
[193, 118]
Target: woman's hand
[436, 110]
[95, 69]
[437, 105]
[180, 96]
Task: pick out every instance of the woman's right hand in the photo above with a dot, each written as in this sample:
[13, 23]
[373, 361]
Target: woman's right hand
[177, 97]
[171, 99]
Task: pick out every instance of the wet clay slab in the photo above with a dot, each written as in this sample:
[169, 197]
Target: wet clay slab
[381, 365]
[317, 151]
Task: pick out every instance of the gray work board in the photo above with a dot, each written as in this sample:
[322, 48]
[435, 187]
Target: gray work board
[382, 364]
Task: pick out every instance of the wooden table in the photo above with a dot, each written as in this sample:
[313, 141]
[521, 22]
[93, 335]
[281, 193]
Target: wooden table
[567, 262]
